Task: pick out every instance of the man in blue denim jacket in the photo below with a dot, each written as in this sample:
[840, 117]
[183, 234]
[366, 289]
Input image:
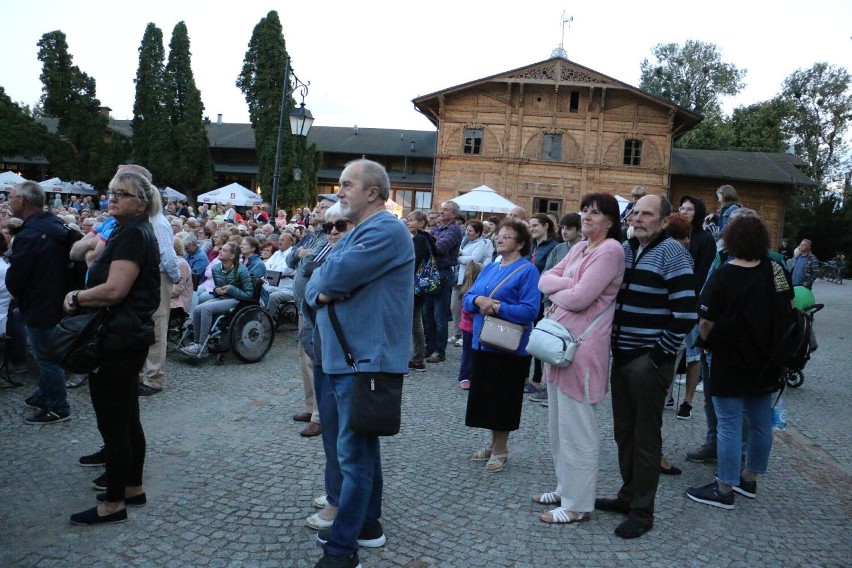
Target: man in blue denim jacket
[368, 276]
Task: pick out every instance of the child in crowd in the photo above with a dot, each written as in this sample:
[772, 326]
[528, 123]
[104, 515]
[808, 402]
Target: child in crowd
[466, 325]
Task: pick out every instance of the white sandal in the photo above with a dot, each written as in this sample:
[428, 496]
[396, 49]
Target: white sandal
[550, 498]
[481, 455]
[562, 516]
[496, 463]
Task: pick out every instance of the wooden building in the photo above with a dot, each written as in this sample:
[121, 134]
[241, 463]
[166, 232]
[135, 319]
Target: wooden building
[545, 134]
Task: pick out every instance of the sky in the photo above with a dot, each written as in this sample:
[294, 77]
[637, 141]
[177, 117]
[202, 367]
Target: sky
[367, 60]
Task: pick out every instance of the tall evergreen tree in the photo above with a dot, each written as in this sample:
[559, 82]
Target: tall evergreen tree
[151, 130]
[22, 135]
[262, 82]
[191, 168]
[69, 95]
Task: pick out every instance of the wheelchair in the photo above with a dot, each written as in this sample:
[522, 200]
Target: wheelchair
[248, 330]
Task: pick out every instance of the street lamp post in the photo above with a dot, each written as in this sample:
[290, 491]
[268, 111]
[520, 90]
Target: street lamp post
[301, 120]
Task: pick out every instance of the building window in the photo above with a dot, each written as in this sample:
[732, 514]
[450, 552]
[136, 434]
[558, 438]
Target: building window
[552, 147]
[574, 103]
[472, 140]
[423, 200]
[632, 152]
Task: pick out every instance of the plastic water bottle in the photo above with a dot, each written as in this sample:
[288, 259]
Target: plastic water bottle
[779, 413]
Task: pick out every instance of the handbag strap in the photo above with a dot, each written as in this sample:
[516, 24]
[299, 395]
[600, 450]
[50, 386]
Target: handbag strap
[338, 331]
[494, 291]
[592, 325]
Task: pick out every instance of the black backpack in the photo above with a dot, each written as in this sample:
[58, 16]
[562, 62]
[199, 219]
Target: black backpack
[799, 341]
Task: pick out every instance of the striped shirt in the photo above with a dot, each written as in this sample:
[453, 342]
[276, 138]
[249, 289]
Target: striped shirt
[655, 307]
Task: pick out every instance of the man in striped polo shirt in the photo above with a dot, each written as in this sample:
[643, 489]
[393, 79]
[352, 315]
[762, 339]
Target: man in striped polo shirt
[655, 309]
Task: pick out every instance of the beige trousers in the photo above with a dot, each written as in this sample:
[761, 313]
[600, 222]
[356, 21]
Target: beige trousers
[153, 373]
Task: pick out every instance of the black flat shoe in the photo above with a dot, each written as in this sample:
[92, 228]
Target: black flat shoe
[135, 501]
[91, 517]
[633, 528]
[670, 471]
[612, 505]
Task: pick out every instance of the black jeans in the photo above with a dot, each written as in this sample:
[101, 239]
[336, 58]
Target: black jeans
[638, 396]
[115, 398]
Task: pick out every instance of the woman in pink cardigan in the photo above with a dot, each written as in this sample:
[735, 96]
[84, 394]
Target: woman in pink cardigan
[582, 287]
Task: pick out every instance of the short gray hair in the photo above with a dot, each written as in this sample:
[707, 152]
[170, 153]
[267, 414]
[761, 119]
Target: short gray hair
[32, 193]
[142, 188]
[373, 174]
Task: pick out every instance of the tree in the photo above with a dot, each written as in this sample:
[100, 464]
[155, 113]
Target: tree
[261, 81]
[761, 127]
[821, 103]
[693, 76]
[22, 135]
[151, 129]
[190, 166]
[69, 95]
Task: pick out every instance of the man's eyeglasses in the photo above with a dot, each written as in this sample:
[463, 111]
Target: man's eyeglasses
[341, 225]
[120, 194]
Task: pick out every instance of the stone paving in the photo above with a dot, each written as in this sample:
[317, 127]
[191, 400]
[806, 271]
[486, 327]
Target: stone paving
[230, 481]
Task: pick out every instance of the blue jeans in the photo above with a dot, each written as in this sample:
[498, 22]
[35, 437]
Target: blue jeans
[467, 356]
[360, 463]
[327, 407]
[436, 314]
[729, 411]
[51, 381]
[710, 412]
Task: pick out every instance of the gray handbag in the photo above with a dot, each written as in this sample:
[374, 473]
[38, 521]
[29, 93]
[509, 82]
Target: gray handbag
[551, 343]
[500, 333]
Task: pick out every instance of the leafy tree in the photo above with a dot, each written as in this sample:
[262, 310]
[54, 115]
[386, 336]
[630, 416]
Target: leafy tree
[821, 103]
[151, 128]
[21, 133]
[261, 81]
[713, 133]
[190, 167]
[693, 76]
[69, 95]
[761, 127]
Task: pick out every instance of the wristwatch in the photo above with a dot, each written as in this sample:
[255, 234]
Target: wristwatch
[74, 302]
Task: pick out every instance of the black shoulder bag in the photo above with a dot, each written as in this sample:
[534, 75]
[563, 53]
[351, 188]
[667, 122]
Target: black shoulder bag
[76, 342]
[376, 396]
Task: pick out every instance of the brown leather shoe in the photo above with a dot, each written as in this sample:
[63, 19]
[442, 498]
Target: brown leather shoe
[312, 429]
[302, 417]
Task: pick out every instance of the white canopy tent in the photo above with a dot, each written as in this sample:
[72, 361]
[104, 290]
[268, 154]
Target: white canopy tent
[171, 193]
[52, 185]
[622, 203]
[235, 194]
[483, 199]
[10, 179]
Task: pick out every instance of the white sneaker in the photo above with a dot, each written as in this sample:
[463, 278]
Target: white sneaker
[452, 339]
[459, 343]
[681, 380]
[195, 350]
[700, 387]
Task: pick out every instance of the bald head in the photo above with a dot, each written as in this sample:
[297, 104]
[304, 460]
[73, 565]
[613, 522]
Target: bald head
[517, 213]
[649, 217]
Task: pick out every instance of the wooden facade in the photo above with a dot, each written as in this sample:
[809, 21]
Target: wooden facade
[549, 133]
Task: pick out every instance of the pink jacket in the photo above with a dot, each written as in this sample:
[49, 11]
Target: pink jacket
[582, 287]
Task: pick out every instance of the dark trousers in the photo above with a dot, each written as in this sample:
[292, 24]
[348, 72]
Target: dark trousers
[638, 396]
[436, 314]
[115, 398]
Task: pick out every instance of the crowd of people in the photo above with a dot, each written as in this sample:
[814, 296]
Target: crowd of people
[644, 287]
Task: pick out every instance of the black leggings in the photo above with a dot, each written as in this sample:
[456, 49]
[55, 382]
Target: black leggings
[115, 398]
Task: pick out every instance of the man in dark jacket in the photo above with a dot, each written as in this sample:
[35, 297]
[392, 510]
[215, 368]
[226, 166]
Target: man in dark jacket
[38, 279]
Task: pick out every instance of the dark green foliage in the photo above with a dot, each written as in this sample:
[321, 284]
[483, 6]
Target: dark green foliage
[22, 135]
[821, 103]
[151, 129]
[822, 218]
[69, 95]
[190, 166]
[261, 81]
[693, 76]
[760, 127]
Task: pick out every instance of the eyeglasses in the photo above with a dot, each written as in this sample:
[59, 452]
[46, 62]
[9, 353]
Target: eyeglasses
[119, 195]
[687, 209]
[341, 225]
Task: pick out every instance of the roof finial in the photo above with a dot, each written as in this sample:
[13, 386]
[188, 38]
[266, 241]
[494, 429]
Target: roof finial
[560, 51]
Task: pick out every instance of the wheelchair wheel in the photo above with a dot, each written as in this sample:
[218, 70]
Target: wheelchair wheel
[795, 379]
[287, 316]
[251, 334]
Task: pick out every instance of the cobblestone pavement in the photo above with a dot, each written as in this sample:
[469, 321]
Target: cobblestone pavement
[230, 481]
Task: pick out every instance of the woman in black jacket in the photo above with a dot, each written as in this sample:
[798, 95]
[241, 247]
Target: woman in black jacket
[424, 244]
[125, 277]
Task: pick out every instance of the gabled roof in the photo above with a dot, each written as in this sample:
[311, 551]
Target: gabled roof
[555, 71]
[374, 141]
[763, 167]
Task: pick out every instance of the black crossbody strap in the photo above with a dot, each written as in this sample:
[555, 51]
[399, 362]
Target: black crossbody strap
[338, 331]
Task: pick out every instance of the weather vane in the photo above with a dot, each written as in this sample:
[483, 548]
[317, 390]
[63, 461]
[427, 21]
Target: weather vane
[560, 51]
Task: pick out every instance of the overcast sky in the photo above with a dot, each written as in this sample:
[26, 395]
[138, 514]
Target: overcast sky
[367, 60]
